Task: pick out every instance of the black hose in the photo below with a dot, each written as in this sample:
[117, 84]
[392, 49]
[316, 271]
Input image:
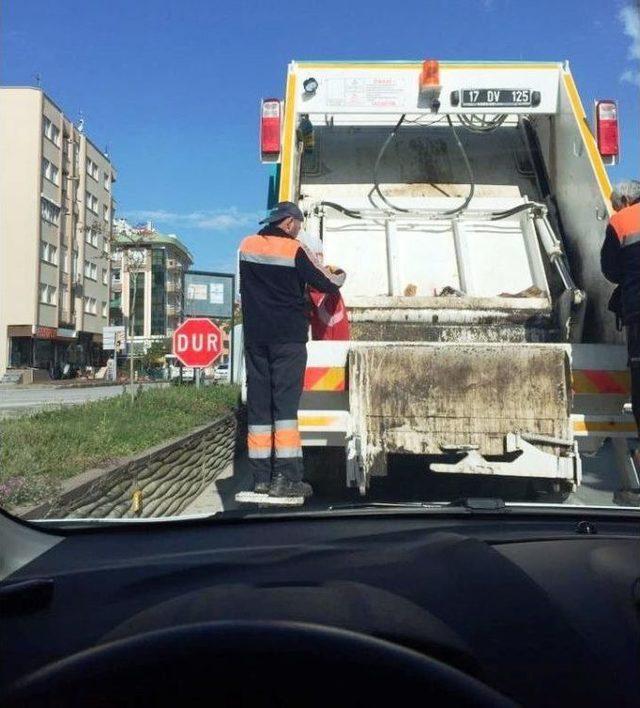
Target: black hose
[472, 185]
[338, 207]
[452, 212]
[376, 182]
[497, 215]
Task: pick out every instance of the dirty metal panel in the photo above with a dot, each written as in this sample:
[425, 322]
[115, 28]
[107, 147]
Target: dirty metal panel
[536, 330]
[414, 399]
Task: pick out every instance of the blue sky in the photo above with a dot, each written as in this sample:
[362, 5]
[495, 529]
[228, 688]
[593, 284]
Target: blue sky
[173, 87]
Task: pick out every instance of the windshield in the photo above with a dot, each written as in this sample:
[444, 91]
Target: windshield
[331, 278]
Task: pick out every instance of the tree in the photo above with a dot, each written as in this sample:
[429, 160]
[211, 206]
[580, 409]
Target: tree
[154, 355]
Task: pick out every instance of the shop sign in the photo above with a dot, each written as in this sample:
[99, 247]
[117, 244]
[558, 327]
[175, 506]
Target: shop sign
[45, 332]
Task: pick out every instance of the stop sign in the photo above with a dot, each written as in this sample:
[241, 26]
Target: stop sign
[197, 342]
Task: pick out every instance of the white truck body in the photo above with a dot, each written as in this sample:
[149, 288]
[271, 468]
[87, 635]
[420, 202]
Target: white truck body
[484, 344]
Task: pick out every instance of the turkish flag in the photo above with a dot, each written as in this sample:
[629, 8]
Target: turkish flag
[328, 316]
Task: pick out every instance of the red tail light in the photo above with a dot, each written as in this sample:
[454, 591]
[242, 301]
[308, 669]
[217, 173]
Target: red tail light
[607, 134]
[270, 127]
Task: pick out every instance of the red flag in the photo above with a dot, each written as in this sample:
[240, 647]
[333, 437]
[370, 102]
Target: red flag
[329, 316]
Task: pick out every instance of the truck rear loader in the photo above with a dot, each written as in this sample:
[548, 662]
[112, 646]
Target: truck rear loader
[467, 203]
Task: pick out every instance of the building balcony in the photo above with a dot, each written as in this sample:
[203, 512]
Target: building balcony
[174, 265]
[116, 286]
[174, 286]
[173, 310]
[66, 319]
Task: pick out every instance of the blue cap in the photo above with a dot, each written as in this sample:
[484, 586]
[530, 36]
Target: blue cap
[283, 210]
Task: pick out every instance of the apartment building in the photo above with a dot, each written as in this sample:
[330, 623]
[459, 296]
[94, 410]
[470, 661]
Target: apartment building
[56, 212]
[146, 280]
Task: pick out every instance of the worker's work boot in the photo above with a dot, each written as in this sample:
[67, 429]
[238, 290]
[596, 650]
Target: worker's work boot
[283, 487]
[261, 487]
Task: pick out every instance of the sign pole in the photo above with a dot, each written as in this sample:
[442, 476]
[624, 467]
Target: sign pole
[197, 370]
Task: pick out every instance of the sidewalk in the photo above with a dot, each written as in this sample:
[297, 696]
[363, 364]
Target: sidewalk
[72, 383]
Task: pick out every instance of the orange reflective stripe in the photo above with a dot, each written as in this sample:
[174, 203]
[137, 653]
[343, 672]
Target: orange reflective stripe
[597, 381]
[270, 246]
[626, 221]
[325, 378]
[287, 438]
[259, 441]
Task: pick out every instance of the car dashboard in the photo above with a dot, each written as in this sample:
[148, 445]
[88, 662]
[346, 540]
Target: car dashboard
[544, 608]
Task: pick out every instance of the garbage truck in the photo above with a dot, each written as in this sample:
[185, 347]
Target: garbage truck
[467, 203]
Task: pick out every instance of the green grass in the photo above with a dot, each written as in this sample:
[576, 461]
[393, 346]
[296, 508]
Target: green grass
[39, 451]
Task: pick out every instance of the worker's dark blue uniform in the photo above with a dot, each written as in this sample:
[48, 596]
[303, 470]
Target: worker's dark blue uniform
[620, 262]
[274, 272]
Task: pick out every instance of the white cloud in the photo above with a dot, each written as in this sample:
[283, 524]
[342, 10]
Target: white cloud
[211, 219]
[632, 77]
[629, 15]
[630, 18]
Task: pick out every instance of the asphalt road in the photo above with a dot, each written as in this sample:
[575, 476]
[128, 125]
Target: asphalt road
[409, 481]
[19, 400]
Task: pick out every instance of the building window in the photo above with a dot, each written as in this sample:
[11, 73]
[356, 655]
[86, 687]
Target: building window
[105, 276]
[63, 256]
[49, 211]
[92, 169]
[91, 202]
[105, 310]
[158, 291]
[74, 265]
[90, 305]
[136, 305]
[64, 289]
[105, 181]
[50, 171]
[90, 270]
[51, 131]
[48, 253]
[47, 294]
[91, 236]
[105, 213]
[115, 275]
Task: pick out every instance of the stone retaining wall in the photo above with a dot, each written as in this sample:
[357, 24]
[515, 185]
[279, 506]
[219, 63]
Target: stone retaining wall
[160, 481]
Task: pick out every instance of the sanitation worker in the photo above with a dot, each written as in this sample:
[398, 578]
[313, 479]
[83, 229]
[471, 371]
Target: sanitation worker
[275, 270]
[620, 262]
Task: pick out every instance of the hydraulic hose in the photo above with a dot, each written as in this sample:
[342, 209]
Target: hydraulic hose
[472, 184]
[497, 215]
[383, 149]
[338, 207]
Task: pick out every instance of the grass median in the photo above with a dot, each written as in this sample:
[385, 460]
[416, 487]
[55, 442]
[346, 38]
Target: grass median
[38, 452]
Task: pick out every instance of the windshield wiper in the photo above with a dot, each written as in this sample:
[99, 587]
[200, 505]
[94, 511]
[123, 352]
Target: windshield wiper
[470, 504]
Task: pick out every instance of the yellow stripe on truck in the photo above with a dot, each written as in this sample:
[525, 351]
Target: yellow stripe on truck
[602, 426]
[316, 421]
[588, 140]
[288, 141]
[383, 66]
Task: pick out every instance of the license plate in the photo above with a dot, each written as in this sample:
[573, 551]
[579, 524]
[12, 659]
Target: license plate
[498, 98]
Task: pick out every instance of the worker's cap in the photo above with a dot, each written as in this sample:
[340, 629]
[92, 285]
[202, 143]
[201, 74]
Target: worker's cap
[283, 210]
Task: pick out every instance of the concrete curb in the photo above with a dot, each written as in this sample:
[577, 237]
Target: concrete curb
[159, 481]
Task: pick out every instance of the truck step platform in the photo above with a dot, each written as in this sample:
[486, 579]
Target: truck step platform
[266, 500]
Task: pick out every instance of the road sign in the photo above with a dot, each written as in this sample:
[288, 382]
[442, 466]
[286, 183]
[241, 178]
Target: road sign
[208, 294]
[197, 342]
[113, 339]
